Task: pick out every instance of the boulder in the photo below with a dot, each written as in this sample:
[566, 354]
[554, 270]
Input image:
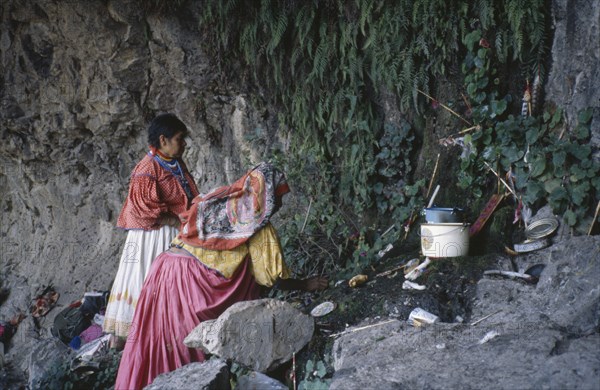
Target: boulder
[542, 336]
[260, 334]
[258, 381]
[46, 355]
[210, 375]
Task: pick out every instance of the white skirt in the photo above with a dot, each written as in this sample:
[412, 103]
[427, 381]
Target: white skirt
[141, 248]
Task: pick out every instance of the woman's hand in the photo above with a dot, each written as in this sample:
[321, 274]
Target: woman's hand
[316, 283]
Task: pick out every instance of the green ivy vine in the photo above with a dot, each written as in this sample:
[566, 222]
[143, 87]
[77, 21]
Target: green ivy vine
[547, 166]
[324, 65]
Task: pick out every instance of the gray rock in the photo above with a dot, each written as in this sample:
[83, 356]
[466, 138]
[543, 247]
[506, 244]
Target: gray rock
[260, 334]
[44, 356]
[452, 356]
[542, 336]
[576, 62]
[210, 375]
[567, 295]
[258, 381]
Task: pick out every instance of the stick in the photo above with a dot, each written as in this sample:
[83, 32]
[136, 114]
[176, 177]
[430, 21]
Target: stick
[446, 107]
[594, 220]
[435, 192]
[388, 230]
[361, 328]
[509, 274]
[502, 180]
[484, 318]
[408, 223]
[433, 175]
[306, 217]
[391, 271]
[294, 368]
[477, 127]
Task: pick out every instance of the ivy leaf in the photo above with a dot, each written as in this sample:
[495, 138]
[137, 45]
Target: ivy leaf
[556, 118]
[538, 166]
[498, 107]
[570, 217]
[384, 154]
[581, 152]
[321, 369]
[532, 135]
[535, 191]
[559, 158]
[582, 132]
[576, 174]
[471, 88]
[513, 154]
[596, 183]
[309, 366]
[559, 194]
[378, 188]
[585, 116]
[546, 116]
[551, 185]
[579, 193]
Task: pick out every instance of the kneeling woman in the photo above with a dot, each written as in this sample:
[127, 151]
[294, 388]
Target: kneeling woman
[189, 284]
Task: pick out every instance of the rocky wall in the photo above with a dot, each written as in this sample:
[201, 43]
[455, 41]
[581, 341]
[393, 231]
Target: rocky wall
[79, 82]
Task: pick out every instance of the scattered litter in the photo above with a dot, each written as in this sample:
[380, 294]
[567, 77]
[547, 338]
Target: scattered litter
[441, 346]
[484, 318]
[419, 317]
[407, 285]
[385, 250]
[487, 211]
[98, 319]
[339, 282]
[411, 265]
[535, 270]
[459, 319]
[323, 309]
[541, 228]
[90, 354]
[358, 280]
[531, 245]
[488, 336]
[360, 328]
[44, 302]
[512, 275]
[418, 271]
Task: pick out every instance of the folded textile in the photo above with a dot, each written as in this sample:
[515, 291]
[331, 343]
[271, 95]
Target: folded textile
[228, 216]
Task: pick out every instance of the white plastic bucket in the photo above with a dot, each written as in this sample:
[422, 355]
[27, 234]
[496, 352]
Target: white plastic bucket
[444, 239]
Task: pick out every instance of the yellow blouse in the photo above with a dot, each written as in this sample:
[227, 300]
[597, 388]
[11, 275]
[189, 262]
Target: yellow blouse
[265, 252]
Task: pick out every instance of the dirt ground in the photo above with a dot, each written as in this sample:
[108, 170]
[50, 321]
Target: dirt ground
[450, 285]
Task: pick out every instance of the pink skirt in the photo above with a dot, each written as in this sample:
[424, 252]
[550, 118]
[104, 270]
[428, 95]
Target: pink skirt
[178, 294]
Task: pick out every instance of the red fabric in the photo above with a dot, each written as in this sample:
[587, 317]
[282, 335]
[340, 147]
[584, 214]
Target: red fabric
[92, 333]
[487, 211]
[178, 294]
[228, 216]
[153, 191]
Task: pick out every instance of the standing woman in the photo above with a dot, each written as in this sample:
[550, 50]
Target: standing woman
[160, 189]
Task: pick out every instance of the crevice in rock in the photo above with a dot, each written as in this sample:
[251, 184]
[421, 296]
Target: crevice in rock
[561, 346]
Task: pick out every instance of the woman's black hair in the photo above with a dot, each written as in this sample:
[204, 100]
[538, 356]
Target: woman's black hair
[167, 125]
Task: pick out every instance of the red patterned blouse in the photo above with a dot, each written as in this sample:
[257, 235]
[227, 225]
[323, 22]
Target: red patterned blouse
[156, 188]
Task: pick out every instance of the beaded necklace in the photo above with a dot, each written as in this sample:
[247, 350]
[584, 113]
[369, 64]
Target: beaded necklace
[174, 168]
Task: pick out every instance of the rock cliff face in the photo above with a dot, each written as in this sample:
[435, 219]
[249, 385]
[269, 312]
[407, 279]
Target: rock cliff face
[80, 80]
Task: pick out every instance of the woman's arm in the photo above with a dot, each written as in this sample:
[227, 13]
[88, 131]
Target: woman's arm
[316, 283]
